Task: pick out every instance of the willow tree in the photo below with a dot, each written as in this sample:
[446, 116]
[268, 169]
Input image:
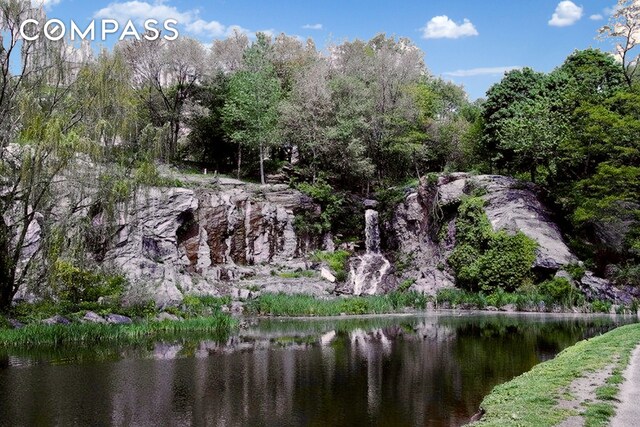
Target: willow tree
[250, 114]
[37, 140]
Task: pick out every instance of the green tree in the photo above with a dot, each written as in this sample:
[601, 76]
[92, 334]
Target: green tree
[517, 86]
[531, 136]
[250, 113]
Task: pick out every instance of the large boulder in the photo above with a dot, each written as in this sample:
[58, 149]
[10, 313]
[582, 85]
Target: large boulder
[424, 228]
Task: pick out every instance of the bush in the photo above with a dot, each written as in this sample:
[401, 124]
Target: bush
[487, 260]
[329, 200]
[560, 291]
[72, 284]
[600, 306]
[198, 305]
[337, 261]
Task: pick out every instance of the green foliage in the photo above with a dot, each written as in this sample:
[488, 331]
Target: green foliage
[331, 204]
[202, 305]
[75, 285]
[405, 285]
[486, 260]
[598, 306]
[217, 327]
[337, 261]
[297, 274]
[576, 271]
[561, 291]
[306, 305]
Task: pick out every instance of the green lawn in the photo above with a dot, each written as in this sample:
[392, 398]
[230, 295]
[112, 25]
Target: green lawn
[531, 398]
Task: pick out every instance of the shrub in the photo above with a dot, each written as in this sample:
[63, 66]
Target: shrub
[600, 306]
[487, 260]
[72, 284]
[329, 200]
[337, 261]
[560, 291]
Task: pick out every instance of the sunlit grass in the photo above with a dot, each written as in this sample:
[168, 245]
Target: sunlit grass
[531, 399]
[217, 326]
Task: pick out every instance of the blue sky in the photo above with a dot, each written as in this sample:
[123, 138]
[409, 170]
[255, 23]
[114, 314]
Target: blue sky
[468, 41]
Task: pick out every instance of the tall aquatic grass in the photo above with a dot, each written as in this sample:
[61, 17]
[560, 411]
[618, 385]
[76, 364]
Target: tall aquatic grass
[217, 327]
[306, 305]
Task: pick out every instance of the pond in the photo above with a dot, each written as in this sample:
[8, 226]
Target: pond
[396, 370]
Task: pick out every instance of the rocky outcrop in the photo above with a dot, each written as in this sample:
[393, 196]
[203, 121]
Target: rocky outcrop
[174, 241]
[424, 225]
[596, 288]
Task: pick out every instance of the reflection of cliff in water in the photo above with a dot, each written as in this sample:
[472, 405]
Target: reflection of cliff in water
[403, 371]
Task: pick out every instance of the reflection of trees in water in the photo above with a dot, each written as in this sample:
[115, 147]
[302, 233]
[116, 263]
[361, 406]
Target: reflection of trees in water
[408, 371]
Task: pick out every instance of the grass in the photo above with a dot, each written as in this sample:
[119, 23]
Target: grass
[337, 261]
[217, 326]
[524, 300]
[305, 305]
[531, 398]
[297, 274]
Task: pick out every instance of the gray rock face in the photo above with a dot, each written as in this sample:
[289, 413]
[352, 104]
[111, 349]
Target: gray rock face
[175, 241]
[164, 316]
[596, 288]
[514, 206]
[424, 225]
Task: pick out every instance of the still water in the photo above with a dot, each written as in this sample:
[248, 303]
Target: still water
[406, 370]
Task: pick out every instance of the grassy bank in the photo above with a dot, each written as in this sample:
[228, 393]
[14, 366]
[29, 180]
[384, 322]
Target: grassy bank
[305, 305]
[532, 398]
[217, 327]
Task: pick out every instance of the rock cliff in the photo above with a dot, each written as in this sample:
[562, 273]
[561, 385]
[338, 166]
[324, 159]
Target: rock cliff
[175, 241]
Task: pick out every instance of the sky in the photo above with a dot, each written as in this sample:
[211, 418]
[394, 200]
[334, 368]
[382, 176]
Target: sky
[470, 42]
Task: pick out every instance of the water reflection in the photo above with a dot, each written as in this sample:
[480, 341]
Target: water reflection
[381, 371]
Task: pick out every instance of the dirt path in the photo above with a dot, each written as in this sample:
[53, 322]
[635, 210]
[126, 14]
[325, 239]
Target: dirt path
[581, 391]
[628, 411]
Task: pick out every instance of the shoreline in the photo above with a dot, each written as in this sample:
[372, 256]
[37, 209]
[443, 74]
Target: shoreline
[580, 385]
[220, 324]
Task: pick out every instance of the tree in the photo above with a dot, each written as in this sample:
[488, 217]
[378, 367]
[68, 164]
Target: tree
[165, 75]
[228, 54]
[306, 115]
[523, 85]
[532, 137]
[35, 113]
[250, 114]
[624, 29]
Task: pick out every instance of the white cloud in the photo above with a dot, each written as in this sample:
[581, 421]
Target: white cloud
[442, 27]
[567, 13]
[312, 27]
[139, 11]
[45, 3]
[483, 71]
[210, 28]
[596, 17]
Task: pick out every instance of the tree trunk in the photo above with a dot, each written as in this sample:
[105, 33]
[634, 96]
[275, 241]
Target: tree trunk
[533, 172]
[173, 144]
[262, 180]
[239, 159]
[7, 270]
